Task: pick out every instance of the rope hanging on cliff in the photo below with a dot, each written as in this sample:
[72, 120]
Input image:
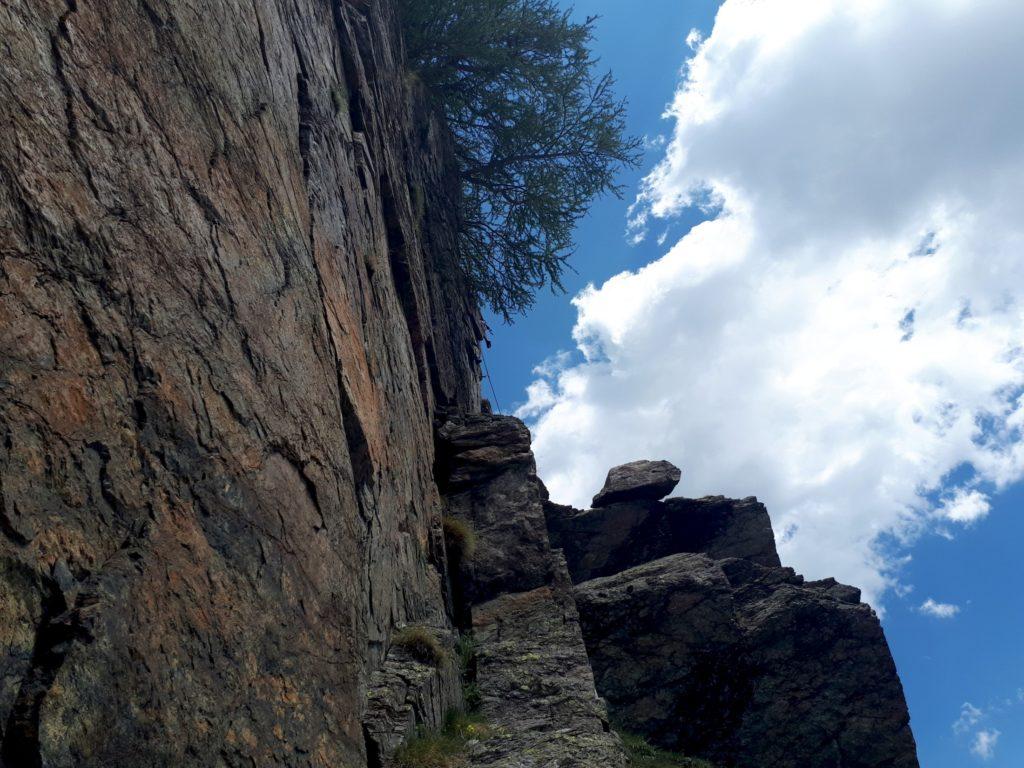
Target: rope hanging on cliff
[490, 382]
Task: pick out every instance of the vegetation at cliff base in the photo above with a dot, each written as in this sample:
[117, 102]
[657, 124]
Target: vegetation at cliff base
[466, 653]
[538, 132]
[643, 755]
[445, 748]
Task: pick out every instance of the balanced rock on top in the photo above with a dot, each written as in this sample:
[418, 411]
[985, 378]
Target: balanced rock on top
[638, 480]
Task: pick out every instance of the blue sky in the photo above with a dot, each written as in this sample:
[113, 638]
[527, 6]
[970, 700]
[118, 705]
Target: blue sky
[880, 127]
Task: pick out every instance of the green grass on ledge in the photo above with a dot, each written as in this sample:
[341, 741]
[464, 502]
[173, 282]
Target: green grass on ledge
[445, 748]
[644, 755]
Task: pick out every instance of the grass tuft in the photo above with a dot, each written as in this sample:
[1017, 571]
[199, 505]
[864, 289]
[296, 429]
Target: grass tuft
[642, 754]
[459, 539]
[421, 644]
[431, 750]
[445, 748]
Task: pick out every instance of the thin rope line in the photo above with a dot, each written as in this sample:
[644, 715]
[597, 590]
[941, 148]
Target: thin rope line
[490, 381]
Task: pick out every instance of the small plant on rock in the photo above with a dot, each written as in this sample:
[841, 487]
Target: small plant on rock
[466, 650]
[445, 748]
[459, 539]
[430, 749]
[468, 726]
[642, 754]
[421, 644]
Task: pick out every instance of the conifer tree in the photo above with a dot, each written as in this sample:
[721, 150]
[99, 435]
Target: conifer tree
[538, 133]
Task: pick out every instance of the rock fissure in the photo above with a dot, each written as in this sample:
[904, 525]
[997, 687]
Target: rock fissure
[59, 627]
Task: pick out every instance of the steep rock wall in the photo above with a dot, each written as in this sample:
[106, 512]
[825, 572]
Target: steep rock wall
[531, 670]
[703, 643]
[226, 321]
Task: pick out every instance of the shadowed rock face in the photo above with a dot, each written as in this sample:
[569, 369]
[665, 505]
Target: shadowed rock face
[227, 316]
[638, 481]
[489, 479]
[710, 648]
[599, 542]
[531, 670]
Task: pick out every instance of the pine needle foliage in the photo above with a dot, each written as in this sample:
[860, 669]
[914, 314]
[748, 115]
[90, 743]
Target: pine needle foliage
[538, 132]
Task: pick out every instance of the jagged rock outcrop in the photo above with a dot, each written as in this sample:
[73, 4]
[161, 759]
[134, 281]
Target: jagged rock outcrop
[638, 481]
[407, 693]
[227, 317]
[718, 652]
[534, 679]
[696, 635]
[488, 476]
[600, 542]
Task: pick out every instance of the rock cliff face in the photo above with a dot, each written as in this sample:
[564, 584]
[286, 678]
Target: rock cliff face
[227, 318]
[238, 395]
[532, 670]
[702, 642]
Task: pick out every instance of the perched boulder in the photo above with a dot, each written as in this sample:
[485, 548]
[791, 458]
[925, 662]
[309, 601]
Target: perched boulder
[746, 665]
[638, 480]
[603, 541]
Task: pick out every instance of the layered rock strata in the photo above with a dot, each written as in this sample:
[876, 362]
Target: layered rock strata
[600, 542]
[702, 642]
[228, 314]
[532, 672]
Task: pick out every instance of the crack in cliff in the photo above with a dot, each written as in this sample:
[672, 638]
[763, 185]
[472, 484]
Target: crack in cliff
[262, 36]
[349, 69]
[7, 524]
[7, 527]
[206, 205]
[396, 241]
[305, 110]
[355, 435]
[57, 631]
[289, 454]
[74, 138]
[402, 280]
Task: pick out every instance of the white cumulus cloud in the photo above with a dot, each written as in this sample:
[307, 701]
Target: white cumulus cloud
[845, 334]
[939, 610]
[970, 716]
[966, 506]
[984, 744]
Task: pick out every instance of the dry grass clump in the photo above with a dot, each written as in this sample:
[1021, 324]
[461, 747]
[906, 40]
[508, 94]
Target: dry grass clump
[432, 750]
[421, 644]
[459, 539]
